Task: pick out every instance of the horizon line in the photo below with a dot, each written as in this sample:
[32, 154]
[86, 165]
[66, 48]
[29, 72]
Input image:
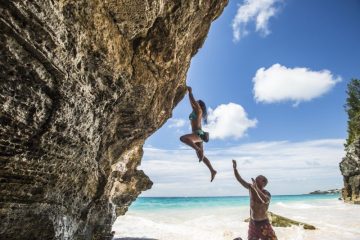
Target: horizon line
[300, 194]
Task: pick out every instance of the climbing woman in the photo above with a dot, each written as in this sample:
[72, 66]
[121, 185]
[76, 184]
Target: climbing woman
[196, 138]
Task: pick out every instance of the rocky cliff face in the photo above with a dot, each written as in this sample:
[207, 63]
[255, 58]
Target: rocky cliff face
[350, 169]
[83, 84]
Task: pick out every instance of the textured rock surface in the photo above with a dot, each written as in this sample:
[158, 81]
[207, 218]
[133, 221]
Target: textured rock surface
[350, 169]
[83, 84]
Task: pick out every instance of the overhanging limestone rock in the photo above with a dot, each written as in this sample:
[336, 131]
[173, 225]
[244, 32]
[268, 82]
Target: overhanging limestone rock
[82, 85]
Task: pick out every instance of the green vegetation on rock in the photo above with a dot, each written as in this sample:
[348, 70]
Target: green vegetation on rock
[350, 164]
[352, 108]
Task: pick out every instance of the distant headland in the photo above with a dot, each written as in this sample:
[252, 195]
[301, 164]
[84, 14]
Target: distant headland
[331, 191]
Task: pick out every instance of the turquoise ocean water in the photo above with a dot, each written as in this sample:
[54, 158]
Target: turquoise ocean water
[167, 203]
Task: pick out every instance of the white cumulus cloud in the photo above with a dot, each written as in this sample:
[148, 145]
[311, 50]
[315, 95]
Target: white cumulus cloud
[291, 167]
[279, 83]
[259, 11]
[176, 123]
[228, 121]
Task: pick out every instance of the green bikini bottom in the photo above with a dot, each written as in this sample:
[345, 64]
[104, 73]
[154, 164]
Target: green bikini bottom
[202, 134]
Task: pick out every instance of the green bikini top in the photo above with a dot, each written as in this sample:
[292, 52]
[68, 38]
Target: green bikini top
[192, 116]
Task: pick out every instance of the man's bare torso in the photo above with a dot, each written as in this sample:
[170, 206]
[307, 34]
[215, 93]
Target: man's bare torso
[258, 210]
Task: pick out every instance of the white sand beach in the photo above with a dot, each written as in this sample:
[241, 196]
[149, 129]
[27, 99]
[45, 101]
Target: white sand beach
[334, 220]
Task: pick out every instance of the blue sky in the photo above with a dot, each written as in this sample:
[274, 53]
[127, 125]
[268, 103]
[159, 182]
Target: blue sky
[276, 93]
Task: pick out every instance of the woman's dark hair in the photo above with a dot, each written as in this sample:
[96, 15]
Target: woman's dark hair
[204, 111]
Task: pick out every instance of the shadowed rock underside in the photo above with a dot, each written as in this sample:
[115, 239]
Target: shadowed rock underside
[82, 85]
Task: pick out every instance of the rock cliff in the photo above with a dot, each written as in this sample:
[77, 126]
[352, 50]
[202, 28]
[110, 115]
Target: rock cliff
[350, 169]
[82, 85]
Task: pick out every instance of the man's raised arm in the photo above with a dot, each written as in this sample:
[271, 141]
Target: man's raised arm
[264, 197]
[239, 178]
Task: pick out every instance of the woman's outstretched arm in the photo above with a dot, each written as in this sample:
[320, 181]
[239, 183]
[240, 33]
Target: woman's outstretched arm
[195, 105]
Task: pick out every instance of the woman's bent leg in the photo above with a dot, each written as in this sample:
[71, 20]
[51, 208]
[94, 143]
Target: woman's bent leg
[207, 162]
[192, 140]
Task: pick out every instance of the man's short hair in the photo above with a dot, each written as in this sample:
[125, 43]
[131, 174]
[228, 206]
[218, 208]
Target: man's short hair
[262, 176]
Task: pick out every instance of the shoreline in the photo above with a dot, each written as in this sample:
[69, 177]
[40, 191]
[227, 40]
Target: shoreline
[223, 220]
[236, 196]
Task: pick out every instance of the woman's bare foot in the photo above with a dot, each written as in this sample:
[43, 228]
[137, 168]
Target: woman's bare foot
[213, 173]
[200, 154]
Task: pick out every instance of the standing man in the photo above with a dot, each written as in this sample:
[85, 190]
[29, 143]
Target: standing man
[259, 225]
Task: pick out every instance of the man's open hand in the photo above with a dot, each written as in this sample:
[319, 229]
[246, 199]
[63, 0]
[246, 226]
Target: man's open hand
[234, 164]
